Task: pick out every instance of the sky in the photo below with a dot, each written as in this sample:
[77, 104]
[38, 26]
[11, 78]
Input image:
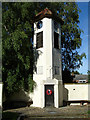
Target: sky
[83, 18]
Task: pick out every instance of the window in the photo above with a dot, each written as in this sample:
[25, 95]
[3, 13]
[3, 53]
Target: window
[80, 81]
[39, 40]
[56, 40]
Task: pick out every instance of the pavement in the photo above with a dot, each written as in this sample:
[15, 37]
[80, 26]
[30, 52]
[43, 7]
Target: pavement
[34, 113]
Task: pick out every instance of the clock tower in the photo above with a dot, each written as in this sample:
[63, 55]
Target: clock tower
[47, 72]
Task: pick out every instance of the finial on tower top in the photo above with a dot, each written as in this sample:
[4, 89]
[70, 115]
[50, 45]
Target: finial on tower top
[49, 14]
[46, 11]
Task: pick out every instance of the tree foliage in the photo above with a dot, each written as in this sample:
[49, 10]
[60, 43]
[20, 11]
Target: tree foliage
[76, 72]
[17, 40]
[67, 77]
[17, 48]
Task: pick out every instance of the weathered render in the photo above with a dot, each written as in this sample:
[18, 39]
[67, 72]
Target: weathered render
[47, 70]
[76, 92]
[1, 87]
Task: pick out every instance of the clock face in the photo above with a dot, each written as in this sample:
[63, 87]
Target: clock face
[39, 24]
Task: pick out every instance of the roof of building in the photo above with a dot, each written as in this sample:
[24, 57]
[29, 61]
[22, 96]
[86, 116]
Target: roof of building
[49, 14]
[81, 77]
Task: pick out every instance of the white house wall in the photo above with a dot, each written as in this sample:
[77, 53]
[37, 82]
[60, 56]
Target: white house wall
[76, 92]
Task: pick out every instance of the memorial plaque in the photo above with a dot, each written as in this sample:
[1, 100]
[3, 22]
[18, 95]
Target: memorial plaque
[40, 70]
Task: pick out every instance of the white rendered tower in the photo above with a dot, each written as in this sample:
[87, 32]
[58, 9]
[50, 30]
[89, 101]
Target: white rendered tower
[48, 71]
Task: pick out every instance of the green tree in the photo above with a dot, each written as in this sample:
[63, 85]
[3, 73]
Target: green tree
[71, 40]
[17, 40]
[17, 51]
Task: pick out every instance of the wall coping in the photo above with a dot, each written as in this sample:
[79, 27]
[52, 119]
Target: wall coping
[76, 83]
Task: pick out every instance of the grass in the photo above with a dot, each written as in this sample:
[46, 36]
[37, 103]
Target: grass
[9, 116]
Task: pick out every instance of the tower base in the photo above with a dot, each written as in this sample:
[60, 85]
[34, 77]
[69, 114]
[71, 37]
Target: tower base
[48, 93]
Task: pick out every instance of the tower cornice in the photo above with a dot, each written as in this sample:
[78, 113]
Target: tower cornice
[49, 14]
